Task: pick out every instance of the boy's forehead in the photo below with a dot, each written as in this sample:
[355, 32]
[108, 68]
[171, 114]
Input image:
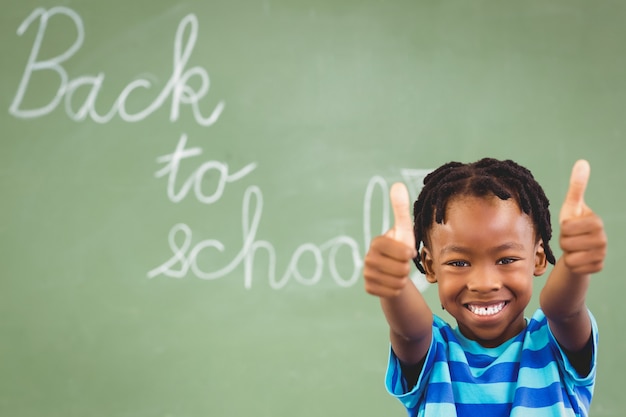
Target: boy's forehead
[480, 214]
[469, 202]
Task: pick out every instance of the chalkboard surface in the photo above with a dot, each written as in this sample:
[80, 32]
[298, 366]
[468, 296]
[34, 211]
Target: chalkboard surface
[188, 188]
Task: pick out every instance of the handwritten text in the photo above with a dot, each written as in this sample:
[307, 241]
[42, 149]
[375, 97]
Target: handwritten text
[177, 88]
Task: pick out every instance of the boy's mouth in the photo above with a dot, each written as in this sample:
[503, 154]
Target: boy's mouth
[486, 310]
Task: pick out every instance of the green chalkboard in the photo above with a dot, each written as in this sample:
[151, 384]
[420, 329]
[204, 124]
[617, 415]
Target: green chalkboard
[188, 188]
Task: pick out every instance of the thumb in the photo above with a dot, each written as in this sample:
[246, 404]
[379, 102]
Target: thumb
[574, 203]
[402, 230]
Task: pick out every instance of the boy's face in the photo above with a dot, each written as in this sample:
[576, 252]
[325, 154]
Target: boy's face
[484, 257]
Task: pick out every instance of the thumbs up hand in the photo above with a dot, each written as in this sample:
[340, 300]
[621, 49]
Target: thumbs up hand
[388, 261]
[574, 205]
[582, 239]
[402, 230]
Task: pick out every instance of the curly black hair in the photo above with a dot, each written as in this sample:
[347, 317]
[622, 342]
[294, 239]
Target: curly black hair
[504, 179]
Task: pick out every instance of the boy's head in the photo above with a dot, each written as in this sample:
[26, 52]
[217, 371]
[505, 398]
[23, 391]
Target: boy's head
[485, 228]
[486, 177]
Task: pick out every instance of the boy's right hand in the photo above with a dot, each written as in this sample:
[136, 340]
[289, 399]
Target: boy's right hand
[388, 260]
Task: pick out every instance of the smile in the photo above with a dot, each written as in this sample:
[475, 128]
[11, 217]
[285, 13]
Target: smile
[486, 310]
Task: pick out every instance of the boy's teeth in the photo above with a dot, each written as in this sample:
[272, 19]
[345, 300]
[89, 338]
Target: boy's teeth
[486, 310]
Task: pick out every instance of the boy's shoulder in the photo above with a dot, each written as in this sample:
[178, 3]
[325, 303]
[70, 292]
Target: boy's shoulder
[536, 344]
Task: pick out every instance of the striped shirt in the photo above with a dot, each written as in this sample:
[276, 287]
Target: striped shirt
[527, 376]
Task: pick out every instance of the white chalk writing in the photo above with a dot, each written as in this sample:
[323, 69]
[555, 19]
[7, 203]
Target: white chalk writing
[173, 162]
[340, 257]
[185, 256]
[177, 87]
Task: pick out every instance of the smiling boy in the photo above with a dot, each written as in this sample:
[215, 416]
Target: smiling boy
[482, 231]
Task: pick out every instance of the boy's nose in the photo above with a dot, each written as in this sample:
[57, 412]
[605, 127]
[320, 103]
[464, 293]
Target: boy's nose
[484, 282]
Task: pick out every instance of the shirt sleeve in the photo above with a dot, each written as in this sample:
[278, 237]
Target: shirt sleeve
[395, 381]
[566, 365]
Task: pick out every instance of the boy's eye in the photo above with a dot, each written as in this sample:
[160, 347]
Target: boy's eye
[458, 263]
[506, 261]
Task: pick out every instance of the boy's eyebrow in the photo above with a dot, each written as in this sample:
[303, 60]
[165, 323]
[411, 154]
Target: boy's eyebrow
[455, 249]
[495, 249]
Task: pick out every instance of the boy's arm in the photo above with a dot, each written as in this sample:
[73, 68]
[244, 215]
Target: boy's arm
[563, 302]
[386, 272]
[583, 242]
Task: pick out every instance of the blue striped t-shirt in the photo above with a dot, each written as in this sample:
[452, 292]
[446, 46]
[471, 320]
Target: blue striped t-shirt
[527, 376]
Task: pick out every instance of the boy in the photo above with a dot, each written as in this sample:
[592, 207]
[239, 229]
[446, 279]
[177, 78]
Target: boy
[484, 230]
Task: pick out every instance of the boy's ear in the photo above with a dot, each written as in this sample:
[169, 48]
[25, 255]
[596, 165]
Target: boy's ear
[427, 262]
[541, 262]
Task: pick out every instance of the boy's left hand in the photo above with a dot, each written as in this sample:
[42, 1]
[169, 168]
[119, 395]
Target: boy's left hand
[582, 239]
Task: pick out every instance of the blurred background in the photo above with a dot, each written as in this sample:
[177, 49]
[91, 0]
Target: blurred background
[188, 188]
